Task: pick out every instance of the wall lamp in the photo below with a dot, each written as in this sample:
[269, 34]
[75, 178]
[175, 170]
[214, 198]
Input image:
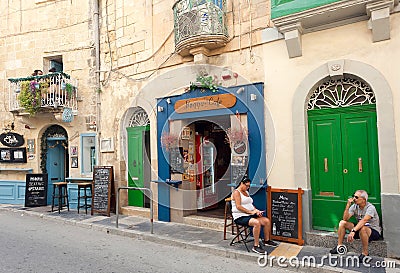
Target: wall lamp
[160, 109]
[240, 90]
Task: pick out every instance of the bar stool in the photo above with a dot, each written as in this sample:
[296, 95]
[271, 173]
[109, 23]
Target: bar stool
[84, 186]
[228, 217]
[61, 197]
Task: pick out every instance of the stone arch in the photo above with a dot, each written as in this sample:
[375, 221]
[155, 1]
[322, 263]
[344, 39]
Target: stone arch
[385, 119]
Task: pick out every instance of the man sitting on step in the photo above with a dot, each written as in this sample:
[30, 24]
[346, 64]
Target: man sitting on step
[367, 227]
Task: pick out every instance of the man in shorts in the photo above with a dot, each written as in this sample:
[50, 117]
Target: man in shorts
[367, 228]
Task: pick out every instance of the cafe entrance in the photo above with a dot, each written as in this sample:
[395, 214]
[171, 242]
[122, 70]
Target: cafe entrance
[208, 142]
[213, 157]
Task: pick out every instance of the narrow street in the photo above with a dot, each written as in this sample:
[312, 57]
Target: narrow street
[32, 244]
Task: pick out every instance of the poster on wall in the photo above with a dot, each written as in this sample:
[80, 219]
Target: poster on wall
[13, 155]
[74, 162]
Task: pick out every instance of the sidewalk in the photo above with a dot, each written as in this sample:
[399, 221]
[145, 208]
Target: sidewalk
[210, 241]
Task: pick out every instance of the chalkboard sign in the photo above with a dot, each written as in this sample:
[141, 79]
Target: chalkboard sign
[176, 160]
[36, 190]
[285, 213]
[103, 180]
[238, 169]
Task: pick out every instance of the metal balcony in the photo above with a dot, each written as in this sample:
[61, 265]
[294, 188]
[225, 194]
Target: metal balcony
[199, 23]
[47, 93]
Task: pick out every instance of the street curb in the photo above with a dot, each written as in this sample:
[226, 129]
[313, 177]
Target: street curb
[156, 238]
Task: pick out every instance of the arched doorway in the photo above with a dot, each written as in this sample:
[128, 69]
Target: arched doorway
[54, 155]
[343, 148]
[139, 166]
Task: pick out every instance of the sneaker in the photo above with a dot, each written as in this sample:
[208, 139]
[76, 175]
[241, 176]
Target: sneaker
[334, 250]
[270, 242]
[361, 258]
[258, 249]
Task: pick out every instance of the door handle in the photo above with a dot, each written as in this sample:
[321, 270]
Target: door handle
[326, 164]
[345, 171]
[135, 178]
[360, 165]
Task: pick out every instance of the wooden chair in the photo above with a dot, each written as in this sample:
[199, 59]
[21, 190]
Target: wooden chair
[228, 217]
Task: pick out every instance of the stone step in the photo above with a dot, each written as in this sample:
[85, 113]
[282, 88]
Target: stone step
[329, 240]
[135, 211]
[193, 220]
[204, 222]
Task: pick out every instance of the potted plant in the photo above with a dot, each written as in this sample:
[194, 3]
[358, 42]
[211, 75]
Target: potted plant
[204, 81]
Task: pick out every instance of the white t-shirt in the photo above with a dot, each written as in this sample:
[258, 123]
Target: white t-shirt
[370, 210]
[246, 202]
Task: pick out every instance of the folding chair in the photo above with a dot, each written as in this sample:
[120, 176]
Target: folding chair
[241, 232]
[242, 235]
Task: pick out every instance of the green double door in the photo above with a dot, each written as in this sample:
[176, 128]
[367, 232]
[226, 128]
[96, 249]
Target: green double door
[343, 158]
[138, 164]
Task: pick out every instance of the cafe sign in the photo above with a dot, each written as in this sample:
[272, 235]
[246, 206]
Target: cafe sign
[11, 139]
[206, 103]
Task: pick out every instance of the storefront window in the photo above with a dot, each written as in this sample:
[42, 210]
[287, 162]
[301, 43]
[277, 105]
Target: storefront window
[88, 153]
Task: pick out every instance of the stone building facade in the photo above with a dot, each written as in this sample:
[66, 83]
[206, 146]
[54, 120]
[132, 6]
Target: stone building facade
[134, 62]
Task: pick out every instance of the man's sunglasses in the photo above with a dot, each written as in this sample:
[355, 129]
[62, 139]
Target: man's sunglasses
[355, 196]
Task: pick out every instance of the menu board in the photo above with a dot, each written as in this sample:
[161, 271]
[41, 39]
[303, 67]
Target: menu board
[238, 171]
[36, 190]
[285, 213]
[176, 160]
[103, 178]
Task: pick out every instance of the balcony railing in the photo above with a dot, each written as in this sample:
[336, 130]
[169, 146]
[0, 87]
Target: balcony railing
[199, 23]
[40, 93]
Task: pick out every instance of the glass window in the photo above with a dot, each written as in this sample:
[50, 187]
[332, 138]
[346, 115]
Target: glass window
[88, 153]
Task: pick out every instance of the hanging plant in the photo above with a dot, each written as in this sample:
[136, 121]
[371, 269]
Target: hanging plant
[70, 89]
[169, 141]
[30, 96]
[236, 135]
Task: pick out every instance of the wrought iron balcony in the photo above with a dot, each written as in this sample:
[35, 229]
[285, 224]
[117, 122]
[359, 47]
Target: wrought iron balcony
[49, 92]
[199, 23]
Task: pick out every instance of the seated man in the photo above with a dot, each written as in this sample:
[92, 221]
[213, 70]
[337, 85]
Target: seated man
[244, 213]
[367, 227]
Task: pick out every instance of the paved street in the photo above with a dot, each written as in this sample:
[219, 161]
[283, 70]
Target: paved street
[32, 244]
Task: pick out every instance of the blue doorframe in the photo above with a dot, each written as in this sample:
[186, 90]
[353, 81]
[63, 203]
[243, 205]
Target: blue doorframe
[55, 164]
[250, 101]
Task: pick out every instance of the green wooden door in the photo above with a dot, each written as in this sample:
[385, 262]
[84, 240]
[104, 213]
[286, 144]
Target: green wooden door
[343, 159]
[136, 172]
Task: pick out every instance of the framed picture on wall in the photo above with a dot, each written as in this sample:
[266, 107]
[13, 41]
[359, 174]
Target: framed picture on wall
[107, 145]
[74, 162]
[186, 133]
[74, 151]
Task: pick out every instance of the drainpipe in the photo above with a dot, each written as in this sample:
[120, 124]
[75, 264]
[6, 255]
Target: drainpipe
[96, 32]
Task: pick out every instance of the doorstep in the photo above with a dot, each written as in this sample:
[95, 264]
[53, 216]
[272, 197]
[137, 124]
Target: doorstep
[329, 240]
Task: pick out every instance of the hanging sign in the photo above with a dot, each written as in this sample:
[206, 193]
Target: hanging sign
[214, 102]
[12, 139]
